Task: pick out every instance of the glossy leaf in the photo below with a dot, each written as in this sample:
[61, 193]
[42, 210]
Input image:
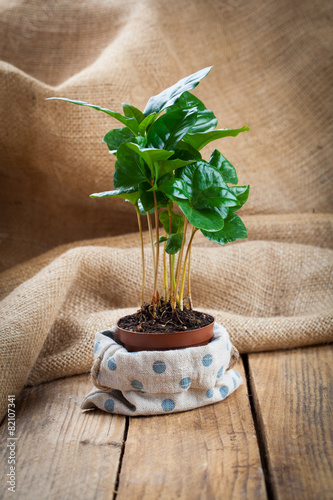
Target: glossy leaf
[131, 195]
[184, 151]
[241, 193]
[129, 169]
[176, 188]
[205, 121]
[170, 95]
[206, 218]
[147, 198]
[129, 122]
[133, 112]
[228, 172]
[174, 243]
[177, 221]
[114, 138]
[170, 128]
[145, 124]
[201, 139]
[150, 155]
[233, 230]
[168, 166]
[208, 190]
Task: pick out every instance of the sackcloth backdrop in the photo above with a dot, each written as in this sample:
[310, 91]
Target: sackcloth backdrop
[70, 264]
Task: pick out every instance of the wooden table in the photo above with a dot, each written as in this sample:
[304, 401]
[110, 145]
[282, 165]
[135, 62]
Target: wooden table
[272, 438]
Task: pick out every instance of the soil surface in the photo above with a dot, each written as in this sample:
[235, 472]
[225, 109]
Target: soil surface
[162, 319]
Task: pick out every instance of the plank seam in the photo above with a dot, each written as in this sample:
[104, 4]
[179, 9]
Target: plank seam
[260, 431]
[121, 458]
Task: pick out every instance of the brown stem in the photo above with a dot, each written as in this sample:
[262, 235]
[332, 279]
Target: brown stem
[170, 261]
[179, 265]
[189, 296]
[142, 258]
[155, 296]
[181, 293]
[165, 275]
[151, 239]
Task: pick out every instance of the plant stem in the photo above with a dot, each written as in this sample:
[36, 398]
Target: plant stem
[165, 275]
[189, 296]
[171, 266]
[151, 239]
[142, 257]
[179, 265]
[181, 293]
[155, 296]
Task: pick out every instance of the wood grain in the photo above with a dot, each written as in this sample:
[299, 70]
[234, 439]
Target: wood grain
[293, 397]
[63, 453]
[207, 453]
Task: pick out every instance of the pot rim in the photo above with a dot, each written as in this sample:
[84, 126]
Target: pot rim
[169, 334]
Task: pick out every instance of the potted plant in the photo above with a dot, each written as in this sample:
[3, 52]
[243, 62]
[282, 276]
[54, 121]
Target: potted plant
[160, 171]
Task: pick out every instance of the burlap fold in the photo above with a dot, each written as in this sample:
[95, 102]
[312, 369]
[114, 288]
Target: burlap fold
[69, 271]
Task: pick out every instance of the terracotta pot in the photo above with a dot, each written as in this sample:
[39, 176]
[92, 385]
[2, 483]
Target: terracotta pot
[138, 341]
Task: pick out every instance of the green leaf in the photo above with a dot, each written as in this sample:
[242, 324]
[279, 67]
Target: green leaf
[208, 189]
[168, 166]
[228, 172]
[201, 139]
[132, 195]
[241, 193]
[170, 128]
[150, 155]
[176, 188]
[114, 138]
[170, 95]
[233, 230]
[131, 123]
[147, 198]
[133, 112]
[145, 124]
[184, 151]
[205, 121]
[205, 218]
[161, 239]
[129, 169]
[174, 243]
[177, 221]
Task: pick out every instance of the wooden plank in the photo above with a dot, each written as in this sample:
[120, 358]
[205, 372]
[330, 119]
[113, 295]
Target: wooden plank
[207, 453]
[61, 452]
[292, 391]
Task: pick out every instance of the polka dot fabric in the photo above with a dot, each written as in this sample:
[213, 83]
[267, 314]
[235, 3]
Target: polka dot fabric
[159, 382]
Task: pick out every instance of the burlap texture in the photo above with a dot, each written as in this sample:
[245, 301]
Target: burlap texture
[66, 272]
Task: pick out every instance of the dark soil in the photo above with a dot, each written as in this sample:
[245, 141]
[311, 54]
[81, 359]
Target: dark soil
[162, 319]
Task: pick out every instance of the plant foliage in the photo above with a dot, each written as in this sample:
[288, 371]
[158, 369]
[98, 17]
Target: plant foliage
[159, 167]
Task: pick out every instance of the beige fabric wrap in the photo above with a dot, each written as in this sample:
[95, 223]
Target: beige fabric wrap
[69, 269]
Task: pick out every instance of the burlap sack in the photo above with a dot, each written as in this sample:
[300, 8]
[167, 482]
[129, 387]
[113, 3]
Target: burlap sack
[155, 382]
[69, 271]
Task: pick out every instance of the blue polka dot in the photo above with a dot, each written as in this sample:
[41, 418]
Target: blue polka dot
[185, 383]
[112, 364]
[109, 405]
[136, 385]
[168, 404]
[207, 360]
[220, 372]
[228, 346]
[96, 347]
[210, 393]
[236, 373]
[224, 390]
[159, 367]
[234, 381]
